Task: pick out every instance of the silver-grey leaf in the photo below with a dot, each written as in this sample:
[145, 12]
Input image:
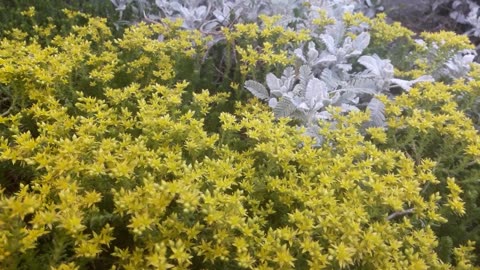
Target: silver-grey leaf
[329, 42]
[406, 85]
[325, 58]
[272, 103]
[312, 53]
[257, 89]
[316, 90]
[344, 97]
[380, 67]
[219, 15]
[273, 82]
[371, 63]
[289, 72]
[288, 78]
[299, 53]
[330, 78]
[361, 42]
[304, 74]
[284, 108]
[377, 112]
[348, 108]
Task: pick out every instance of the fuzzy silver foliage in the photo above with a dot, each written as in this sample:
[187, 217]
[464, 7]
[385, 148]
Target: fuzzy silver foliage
[457, 66]
[466, 12]
[305, 96]
[326, 78]
[208, 15]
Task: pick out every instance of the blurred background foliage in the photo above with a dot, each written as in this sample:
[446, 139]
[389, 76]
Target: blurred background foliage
[50, 11]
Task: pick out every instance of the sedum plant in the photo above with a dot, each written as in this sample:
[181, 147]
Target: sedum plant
[126, 161]
[330, 73]
[48, 12]
[88, 59]
[434, 121]
[132, 180]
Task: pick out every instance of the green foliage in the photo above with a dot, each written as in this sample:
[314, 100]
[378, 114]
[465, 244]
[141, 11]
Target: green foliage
[12, 13]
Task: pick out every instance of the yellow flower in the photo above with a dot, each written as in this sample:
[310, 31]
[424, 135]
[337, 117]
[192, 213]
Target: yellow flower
[87, 249]
[343, 254]
[91, 197]
[378, 134]
[30, 12]
[283, 257]
[140, 222]
[72, 223]
[179, 253]
[64, 266]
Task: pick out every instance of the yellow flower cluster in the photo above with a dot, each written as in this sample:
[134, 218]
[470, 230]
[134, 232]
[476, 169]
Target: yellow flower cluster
[265, 45]
[90, 58]
[382, 32]
[430, 121]
[432, 107]
[278, 204]
[125, 175]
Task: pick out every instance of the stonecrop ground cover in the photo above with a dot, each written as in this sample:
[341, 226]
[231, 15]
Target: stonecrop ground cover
[146, 150]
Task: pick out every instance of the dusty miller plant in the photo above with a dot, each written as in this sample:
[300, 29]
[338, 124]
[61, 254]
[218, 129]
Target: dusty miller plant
[209, 15]
[332, 73]
[465, 12]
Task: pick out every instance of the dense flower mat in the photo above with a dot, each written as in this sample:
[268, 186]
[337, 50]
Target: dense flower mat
[359, 148]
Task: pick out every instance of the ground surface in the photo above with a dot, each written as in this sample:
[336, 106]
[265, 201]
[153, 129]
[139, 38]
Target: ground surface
[417, 15]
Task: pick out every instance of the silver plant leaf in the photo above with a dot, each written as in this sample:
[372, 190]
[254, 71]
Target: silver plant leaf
[361, 42]
[285, 107]
[377, 112]
[406, 84]
[274, 84]
[348, 108]
[257, 89]
[312, 53]
[330, 79]
[329, 42]
[299, 53]
[316, 91]
[272, 103]
[381, 68]
[304, 74]
[288, 78]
